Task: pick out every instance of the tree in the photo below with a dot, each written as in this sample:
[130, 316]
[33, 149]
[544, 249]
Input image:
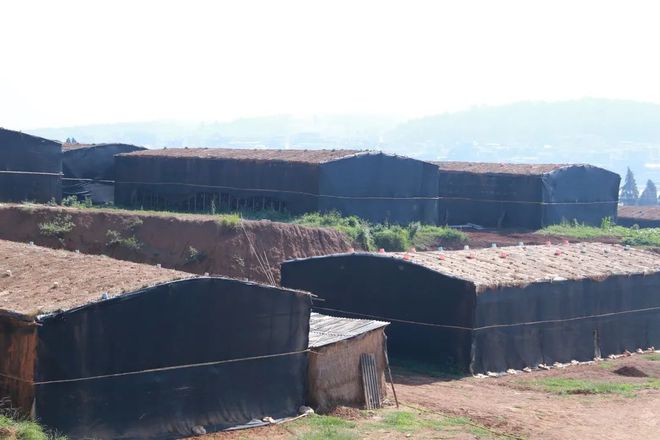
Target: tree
[649, 195]
[629, 192]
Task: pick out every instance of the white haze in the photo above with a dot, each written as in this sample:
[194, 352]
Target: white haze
[84, 62]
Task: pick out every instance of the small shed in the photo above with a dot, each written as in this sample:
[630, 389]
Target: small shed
[372, 185]
[337, 346]
[30, 168]
[642, 216]
[497, 308]
[530, 196]
[89, 170]
[99, 348]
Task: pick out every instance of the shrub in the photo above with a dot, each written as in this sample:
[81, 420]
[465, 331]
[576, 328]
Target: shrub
[59, 227]
[194, 255]
[73, 202]
[229, 221]
[392, 238]
[115, 239]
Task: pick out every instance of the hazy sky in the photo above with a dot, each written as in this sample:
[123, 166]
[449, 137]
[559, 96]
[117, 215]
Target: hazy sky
[81, 62]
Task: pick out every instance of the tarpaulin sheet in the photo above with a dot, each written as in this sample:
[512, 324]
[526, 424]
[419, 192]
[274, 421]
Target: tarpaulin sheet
[577, 192]
[380, 188]
[89, 171]
[30, 168]
[203, 352]
[442, 319]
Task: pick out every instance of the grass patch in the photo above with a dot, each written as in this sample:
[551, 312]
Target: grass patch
[317, 427]
[12, 429]
[229, 221]
[566, 386]
[652, 357]
[58, 227]
[647, 237]
[427, 236]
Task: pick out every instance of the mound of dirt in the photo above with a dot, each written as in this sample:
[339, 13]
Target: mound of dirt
[630, 371]
[251, 250]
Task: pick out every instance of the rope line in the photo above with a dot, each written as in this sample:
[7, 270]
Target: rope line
[154, 370]
[38, 173]
[487, 327]
[330, 196]
[74, 179]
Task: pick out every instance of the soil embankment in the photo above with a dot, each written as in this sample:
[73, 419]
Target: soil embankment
[191, 243]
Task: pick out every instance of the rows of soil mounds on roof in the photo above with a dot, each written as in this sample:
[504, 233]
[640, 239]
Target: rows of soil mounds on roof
[218, 245]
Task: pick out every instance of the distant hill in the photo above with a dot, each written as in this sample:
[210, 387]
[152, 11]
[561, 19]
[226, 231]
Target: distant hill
[538, 123]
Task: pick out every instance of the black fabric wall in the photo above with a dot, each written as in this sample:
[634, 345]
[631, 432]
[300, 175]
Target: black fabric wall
[30, 168]
[417, 302]
[582, 192]
[490, 200]
[555, 322]
[579, 192]
[181, 323]
[380, 188]
[41, 188]
[90, 171]
[174, 182]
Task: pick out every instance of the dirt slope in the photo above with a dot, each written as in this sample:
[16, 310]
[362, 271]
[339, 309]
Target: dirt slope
[196, 244]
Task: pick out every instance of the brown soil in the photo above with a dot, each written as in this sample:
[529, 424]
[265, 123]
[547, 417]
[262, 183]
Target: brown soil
[504, 404]
[36, 280]
[629, 371]
[168, 239]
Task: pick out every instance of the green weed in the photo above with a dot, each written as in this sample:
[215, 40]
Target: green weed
[58, 227]
[115, 239]
[631, 236]
[12, 429]
[564, 386]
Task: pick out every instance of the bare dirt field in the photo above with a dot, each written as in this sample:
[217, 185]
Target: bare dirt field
[577, 402]
[191, 243]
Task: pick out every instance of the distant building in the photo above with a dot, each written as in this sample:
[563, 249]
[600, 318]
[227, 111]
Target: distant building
[495, 309]
[375, 186]
[525, 195]
[30, 168]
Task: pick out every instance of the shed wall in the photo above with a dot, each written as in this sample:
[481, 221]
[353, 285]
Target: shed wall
[423, 307]
[334, 374]
[584, 193]
[191, 326]
[30, 168]
[380, 188]
[189, 184]
[519, 327]
[491, 200]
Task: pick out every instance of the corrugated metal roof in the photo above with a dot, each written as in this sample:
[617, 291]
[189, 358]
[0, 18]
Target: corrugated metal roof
[325, 330]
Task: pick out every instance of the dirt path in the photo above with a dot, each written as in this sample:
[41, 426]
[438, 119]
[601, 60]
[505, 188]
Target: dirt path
[507, 405]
